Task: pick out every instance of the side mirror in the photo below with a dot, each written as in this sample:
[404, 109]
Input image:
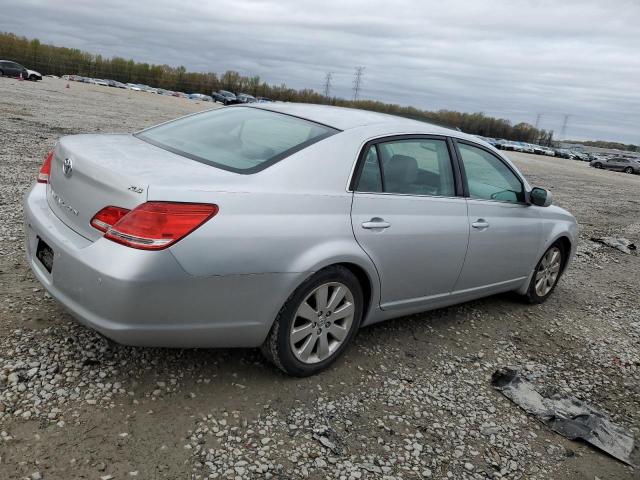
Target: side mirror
[540, 197]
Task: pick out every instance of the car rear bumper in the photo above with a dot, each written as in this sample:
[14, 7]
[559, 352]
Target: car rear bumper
[145, 298]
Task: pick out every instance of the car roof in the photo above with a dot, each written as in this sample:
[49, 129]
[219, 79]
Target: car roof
[346, 118]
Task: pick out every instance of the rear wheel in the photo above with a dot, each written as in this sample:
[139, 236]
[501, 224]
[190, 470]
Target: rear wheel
[597, 165]
[628, 170]
[316, 323]
[546, 275]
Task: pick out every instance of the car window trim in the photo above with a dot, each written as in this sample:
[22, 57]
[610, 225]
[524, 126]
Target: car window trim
[457, 141]
[357, 171]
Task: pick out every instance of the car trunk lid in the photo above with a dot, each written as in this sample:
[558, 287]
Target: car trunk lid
[90, 172]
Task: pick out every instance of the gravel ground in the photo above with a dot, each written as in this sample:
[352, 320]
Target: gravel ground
[411, 399]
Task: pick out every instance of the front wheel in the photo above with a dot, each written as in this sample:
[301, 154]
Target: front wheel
[546, 275]
[628, 170]
[316, 323]
[597, 165]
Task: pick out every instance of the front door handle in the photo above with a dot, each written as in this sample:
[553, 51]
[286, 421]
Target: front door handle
[480, 224]
[375, 222]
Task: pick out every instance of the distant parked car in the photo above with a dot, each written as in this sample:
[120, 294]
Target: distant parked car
[52, 76]
[33, 75]
[537, 149]
[12, 69]
[522, 147]
[134, 87]
[246, 98]
[583, 157]
[548, 151]
[224, 97]
[264, 100]
[116, 84]
[619, 164]
[562, 153]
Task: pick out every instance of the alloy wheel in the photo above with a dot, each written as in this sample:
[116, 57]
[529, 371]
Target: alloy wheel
[628, 170]
[548, 271]
[322, 322]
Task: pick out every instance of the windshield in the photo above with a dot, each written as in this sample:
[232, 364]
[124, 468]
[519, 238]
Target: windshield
[239, 139]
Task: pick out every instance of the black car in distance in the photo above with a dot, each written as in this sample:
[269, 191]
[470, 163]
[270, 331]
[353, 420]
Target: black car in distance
[224, 97]
[12, 69]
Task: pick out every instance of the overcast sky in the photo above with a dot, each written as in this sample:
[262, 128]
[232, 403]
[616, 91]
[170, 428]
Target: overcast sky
[508, 58]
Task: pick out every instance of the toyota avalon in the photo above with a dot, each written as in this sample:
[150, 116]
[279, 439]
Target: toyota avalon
[284, 226]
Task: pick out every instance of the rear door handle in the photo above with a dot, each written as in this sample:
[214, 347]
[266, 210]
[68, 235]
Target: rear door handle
[480, 224]
[375, 222]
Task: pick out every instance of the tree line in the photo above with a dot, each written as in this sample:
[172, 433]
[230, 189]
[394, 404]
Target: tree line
[609, 145]
[54, 60]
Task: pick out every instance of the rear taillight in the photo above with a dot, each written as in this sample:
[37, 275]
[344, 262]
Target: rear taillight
[45, 169]
[108, 217]
[158, 225]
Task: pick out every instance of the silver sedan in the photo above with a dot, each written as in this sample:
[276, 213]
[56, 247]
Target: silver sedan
[284, 226]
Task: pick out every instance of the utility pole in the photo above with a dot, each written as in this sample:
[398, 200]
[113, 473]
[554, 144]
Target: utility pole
[327, 84]
[357, 82]
[564, 126]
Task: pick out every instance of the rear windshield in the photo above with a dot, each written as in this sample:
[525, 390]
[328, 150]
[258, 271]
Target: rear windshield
[239, 139]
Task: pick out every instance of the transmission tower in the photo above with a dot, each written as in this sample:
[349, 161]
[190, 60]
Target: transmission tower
[538, 117]
[357, 82]
[327, 84]
[564, 126]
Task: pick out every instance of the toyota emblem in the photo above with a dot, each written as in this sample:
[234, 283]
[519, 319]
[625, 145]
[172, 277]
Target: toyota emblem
[67, 167]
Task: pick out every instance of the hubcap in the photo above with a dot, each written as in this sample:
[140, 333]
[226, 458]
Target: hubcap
[322, 322]
[548, 271]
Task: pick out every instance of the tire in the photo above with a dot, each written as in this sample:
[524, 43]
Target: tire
[538, 293]
[315, 347]
[597, 165]
[628, 170]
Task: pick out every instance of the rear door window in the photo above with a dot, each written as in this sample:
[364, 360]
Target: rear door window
[413, 166]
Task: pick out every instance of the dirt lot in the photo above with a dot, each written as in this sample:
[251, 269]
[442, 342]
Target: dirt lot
[411, 399]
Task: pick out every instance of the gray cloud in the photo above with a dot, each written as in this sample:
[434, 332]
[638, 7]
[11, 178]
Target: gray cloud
[508, 58]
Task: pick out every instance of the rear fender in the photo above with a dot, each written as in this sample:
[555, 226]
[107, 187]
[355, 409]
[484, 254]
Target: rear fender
[340, 251]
